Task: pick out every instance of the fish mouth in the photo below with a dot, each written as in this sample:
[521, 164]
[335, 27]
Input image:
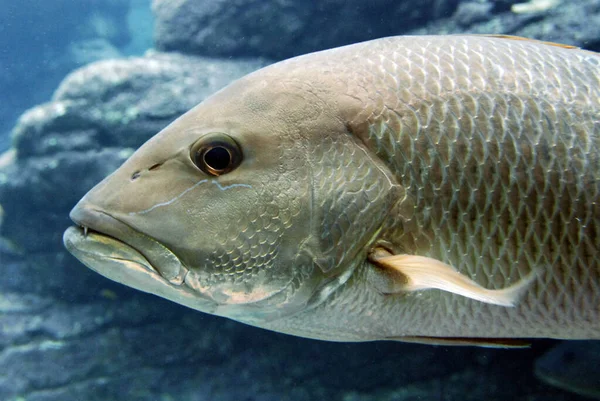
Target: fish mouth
[98, 251]
[118, 252]
[101, 224]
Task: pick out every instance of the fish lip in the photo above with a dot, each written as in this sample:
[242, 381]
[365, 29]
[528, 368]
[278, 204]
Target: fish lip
[74, 235]
[98, 222]
[126, 265]
[159, 257]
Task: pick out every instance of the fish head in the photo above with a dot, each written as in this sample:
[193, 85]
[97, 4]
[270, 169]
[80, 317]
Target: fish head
[254, 205]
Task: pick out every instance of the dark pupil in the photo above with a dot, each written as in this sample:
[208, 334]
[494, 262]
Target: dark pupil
[217, 158]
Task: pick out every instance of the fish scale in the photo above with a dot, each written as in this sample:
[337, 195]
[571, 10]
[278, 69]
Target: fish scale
[510, 126]
[420, 188]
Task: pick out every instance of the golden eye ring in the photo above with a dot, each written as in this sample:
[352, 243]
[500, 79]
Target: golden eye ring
[216, 154]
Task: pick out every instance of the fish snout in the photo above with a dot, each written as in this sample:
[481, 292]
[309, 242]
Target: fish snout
[162, 259]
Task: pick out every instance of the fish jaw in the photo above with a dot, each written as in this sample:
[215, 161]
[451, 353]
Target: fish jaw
[111, 248]
[162, 260]
[119, 262]
[120, 253]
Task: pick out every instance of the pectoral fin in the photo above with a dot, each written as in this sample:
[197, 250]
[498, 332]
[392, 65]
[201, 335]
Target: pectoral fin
[408, 273]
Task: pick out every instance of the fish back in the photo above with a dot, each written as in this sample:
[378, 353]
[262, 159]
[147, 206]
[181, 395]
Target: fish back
[497, 145]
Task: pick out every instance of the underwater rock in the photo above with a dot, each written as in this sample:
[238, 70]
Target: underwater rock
[122, 102]
[87, 51]
[38, 192]
[574, 23]
[280, 29]
[471, 12]
[50, 347]
[41, 42]
[144, 348]
[533, 6]
[120, 347]
[98, 115]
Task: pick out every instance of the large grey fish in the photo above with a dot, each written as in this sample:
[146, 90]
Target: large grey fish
[573, 366]
[440, 189]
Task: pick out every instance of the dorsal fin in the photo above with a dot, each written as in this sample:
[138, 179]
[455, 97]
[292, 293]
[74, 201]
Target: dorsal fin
[521, 38]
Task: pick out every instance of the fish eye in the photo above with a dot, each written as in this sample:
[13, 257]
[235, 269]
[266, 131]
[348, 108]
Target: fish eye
[216, 154]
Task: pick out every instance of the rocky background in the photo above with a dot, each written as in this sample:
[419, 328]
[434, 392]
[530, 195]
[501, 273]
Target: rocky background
[67, 333]
[41, 41]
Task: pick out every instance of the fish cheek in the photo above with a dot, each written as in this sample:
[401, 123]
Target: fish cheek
[248, 243]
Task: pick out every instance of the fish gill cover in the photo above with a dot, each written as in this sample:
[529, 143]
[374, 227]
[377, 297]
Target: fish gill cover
[68, 334]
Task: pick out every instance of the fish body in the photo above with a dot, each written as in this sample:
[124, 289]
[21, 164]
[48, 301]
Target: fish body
[573, 366]
[430, 188]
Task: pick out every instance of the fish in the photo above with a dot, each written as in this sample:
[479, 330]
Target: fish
[572, 366]
[433, 189]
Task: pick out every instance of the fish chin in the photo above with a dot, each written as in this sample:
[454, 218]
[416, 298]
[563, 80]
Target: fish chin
[163, 261]
[122, 263]
[122, 254]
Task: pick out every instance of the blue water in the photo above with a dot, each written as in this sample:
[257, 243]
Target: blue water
[43, 40]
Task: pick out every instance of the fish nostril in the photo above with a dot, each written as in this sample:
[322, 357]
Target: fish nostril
[138, 173]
